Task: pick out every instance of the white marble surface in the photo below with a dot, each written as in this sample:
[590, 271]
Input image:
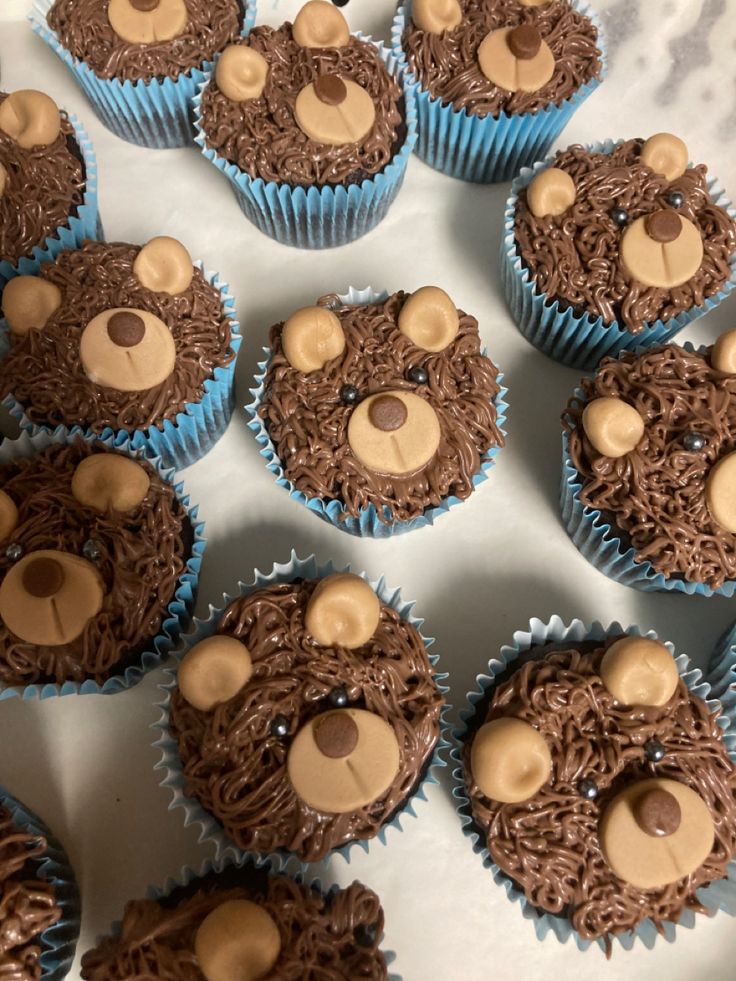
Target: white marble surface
[86, 765]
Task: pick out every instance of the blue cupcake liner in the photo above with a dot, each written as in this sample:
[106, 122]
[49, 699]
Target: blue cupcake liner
[318, 218]
[178, 612]
[368, 523]
[210, 830]
[84, 224]
[209, 866]
[194, 430]
[58, 942]
[154, 112]
[581, 341]
[488, 149]
[601, 544]
[720, 895]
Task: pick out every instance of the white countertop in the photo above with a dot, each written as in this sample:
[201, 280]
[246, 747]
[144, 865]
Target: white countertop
[86, 764]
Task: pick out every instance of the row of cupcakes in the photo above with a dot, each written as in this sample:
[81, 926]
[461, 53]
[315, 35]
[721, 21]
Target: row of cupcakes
[234, 918]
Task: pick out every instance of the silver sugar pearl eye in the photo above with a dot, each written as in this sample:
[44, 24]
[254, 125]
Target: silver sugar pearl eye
[693, 442]
[588, 789]
[13, 552]
[92, 549]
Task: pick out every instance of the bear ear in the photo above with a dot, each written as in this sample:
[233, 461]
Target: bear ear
[665, 154]
[241, 73]
[28, 302]
[30, 118]
[320, 25]
[551, 193]
[311, 337]
[343, 611]
[110, 482]
[429, 319]
[510, 760]
[163, 265]
[436, 16]
[613, 427]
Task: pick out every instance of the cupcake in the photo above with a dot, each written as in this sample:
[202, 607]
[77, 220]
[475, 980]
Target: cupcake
[311, 125]
[139, 62]
[234, 917]
[496, 82]
[615, 247]
[123, 340]
[304, 716]
[599, 785]
[648, 468]
[99, 562]
[39, 912]
[379, 412]
[48, 182]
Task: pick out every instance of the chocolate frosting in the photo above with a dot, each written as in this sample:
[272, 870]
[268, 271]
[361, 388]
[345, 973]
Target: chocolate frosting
[236, 768]
[655, 495]
[308, 422]
[27, 904]
[44, 188]
[574, 258]
[43, 370]
[447, 64]
[549, 845]
[323, 939]
[261, 136]
[142, 553]
[84, 29]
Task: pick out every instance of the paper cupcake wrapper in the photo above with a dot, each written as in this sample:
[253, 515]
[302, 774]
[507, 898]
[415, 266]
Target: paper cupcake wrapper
[601, 544]
[58, 942]
[368, 523]
[491, 148]
[85, 224]
[318, 218]
[179, 611]
[194, 430]
[156, 112]
[718, 895]
[189, 876]
[210, 830]
[581, 341]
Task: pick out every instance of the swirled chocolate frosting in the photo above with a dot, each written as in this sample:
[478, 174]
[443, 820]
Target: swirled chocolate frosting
[307, 420]
[27, 903]
[575, 258]
[261, 136]
[447, 64]
[43, 189]
[142, 553]
[235, 765]
[655, 495]
[43, 370]
[84, 29]
[549, 845]
[332, 938]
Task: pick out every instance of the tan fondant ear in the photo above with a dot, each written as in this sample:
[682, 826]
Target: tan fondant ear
[320, 25]
[241, 73]
[639, 671]
[613, 427]
[392, 440]
[342, 611]
[213, 671]
[28, 303]
[8, 516]
[510, 760]
[3, 179]
[343, 760]
[311, 337]
[148, 21]
[665, 154]
[436, 16]
[110, 482]
[430, 319]
[723, 355]
[237, 941]
[720, 492]
[163, 265]
[30, 118]
[551, 192]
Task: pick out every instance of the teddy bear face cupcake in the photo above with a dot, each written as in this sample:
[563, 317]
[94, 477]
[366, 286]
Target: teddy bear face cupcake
[651, 440]
[509, 56]
[28, 904]
[42, 172]
[632, 236]
[601, 786]
[387, 405]
[145, 39]
[318, 702]
[214, 927]
[92, 547]
[114, 336]
[307, 104]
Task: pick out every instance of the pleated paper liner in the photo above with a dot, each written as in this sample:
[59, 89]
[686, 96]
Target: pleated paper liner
[720, 895]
